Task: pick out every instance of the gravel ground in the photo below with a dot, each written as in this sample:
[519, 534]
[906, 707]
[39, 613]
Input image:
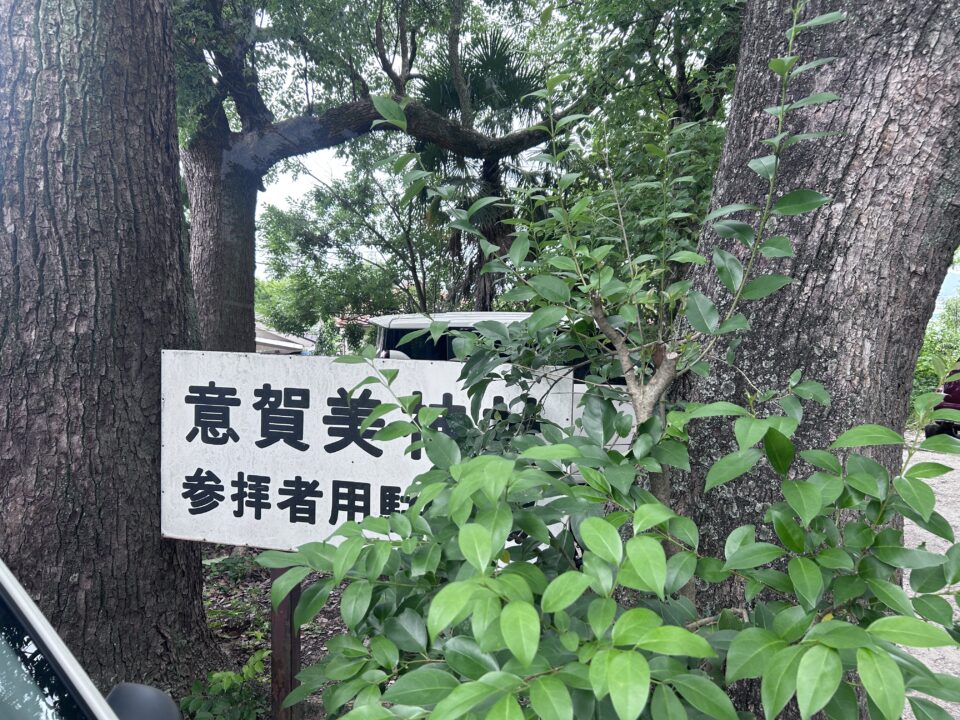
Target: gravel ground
[947, 489]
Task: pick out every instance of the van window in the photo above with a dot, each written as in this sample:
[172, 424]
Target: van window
[32, 687]
[421, 348]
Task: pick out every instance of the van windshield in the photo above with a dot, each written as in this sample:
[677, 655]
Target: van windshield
[31, 686]
[421, 348]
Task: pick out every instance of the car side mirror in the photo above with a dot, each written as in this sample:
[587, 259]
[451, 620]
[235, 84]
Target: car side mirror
[141, 702]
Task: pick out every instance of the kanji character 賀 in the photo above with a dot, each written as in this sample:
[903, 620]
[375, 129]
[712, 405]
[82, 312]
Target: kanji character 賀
[346, 415]
[301, 499]
[281, 415]
[253, 491]
[204, 491]
[211, 414]
[353, 498]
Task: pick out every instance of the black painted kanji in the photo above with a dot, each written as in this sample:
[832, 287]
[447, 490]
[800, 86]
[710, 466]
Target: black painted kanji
[346, 415]
[390, 499]
[352, 498]
[253, 491]
[204, 491]
[442, 423]
[211, 413]
[301, 499]
[281, 415]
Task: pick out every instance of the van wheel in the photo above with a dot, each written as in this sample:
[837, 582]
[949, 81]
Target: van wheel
[934, 429]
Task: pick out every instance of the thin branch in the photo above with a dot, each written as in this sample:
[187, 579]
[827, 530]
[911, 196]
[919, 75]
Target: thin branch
[382, 54]
[456, 70]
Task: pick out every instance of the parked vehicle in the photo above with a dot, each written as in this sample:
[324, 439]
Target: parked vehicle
[951, 401]
[392, 328]
[40, 679]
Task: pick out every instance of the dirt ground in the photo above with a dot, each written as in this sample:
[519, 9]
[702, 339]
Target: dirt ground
[237, 598]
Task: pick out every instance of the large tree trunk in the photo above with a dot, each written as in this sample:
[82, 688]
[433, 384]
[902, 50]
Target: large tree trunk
[868, 266]
[223, 207]
[92, 285]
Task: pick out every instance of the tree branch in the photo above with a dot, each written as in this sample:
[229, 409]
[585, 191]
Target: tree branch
[259, 150]
[382, 54]
[643, 398]
[456, 70]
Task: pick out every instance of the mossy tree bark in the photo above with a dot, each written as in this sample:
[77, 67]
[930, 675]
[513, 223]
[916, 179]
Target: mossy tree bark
[94, 281]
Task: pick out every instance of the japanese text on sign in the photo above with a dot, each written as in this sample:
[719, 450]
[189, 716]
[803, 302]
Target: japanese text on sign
[268, 451]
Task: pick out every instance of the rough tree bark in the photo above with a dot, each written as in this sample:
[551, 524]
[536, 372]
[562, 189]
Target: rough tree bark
[868, 266]
[93, 283]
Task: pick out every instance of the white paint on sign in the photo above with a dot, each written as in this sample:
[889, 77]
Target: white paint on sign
[266, 451]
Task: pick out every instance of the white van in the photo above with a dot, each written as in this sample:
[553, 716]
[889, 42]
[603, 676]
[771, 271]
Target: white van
[392, 328]
[40, 679]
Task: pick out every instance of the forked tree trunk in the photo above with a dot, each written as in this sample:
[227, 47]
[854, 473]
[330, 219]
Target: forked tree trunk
[93, 283]
[868, 267]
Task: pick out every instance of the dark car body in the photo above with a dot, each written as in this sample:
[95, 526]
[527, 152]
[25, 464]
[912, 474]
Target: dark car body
[951, 401]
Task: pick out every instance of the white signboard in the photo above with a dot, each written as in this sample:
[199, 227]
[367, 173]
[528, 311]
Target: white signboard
[266, 450]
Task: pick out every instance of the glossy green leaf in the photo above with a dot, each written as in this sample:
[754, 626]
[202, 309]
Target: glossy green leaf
[602, 538]
[506, 708]
[475, 544]
[564, 590]
[451, 603]
[520, 626]
[807, 581]
[550, 452]
[779, 451]
[729, 269]
[753, 555]
[281, 587]
[702, 314]
[867, 435]
[628, 680]
[780, 680]
[423, 686]
[732, 466]
[924, 709]
[750, 653]
[390, 110]
[764, 286]
[704, 696]
[883, 681]
[633, 625]
[355, 601]
[465, 657]
[649, 562]
[550, 699]
[818, 677]
[551, 288]
[804, 498]
[891, 595]
[917, 494]
[910, 631]
[673, 640]
[799, 201]
[665, 705]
